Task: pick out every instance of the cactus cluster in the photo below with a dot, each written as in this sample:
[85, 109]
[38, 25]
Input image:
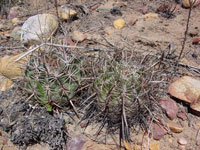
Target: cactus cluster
[95, 85]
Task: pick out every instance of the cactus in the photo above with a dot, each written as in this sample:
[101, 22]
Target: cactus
[54, 77]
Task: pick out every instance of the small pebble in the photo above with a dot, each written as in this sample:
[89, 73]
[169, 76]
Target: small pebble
[182, 141]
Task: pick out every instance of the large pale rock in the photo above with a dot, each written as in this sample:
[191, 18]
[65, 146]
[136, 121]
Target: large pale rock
[12, 69]
[170, 107]
[188, 90]
[38, 27]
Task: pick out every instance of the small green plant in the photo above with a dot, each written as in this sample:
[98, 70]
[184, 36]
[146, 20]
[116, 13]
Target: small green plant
[54, 77]
[114, 80]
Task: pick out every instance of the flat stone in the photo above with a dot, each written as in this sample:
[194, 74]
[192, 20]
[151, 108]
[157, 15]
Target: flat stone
[169, 106]
[186, 89]
[175, 127]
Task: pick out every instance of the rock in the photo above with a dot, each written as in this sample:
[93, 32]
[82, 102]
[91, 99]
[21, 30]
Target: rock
[13, 13]
[78, 36]
[119, 23]
[186, 89]
[182, 141]
[132, 21]
[150, 16]
[182, 116]
[41, 146]
[5, 83]
[170, 107]
[158, 131]
[76, 143]
[15, 20]
[154, 146]
[175, 127]
[196, 40]
[186, 3]
[11, 69]
[66, 13]
[16, 33]
[39, 27]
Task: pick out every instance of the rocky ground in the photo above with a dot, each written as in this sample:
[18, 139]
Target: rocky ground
[154, 28]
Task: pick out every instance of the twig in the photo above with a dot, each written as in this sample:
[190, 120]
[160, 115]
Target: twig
[74, 108]
[187, 27]
[59, 45]
[30, 51]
